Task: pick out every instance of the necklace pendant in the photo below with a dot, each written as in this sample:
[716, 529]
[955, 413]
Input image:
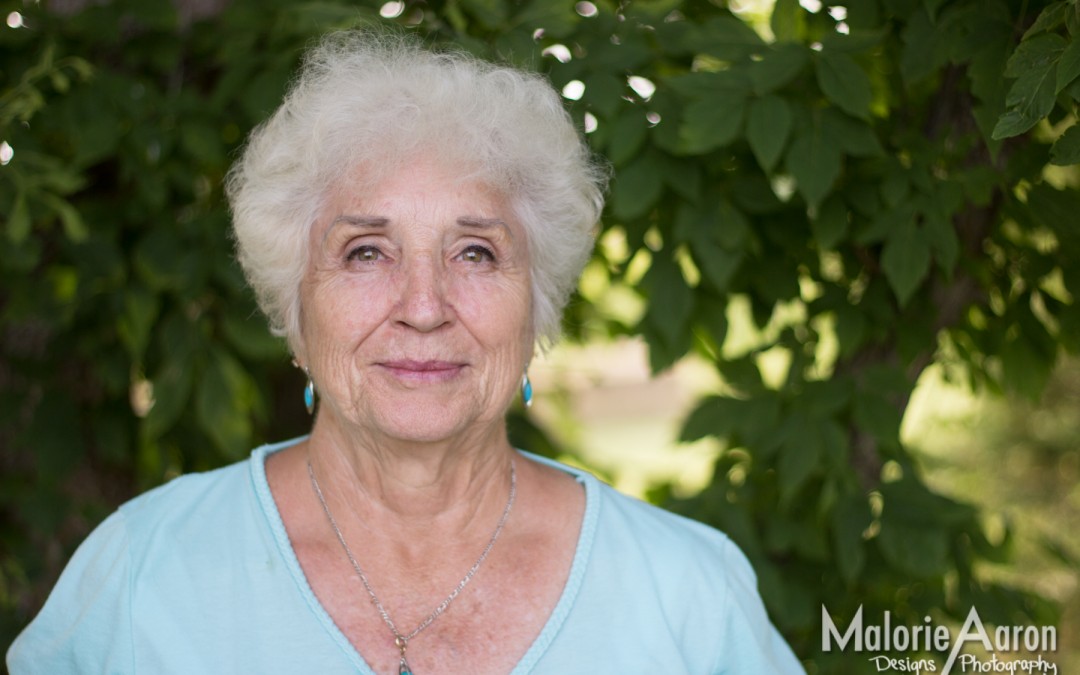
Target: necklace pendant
[403, 667]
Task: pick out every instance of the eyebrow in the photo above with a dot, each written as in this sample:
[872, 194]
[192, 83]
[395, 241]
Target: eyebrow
[485, 224]
[379, 222]
[361, 221]
[354, 221]
[476, 221]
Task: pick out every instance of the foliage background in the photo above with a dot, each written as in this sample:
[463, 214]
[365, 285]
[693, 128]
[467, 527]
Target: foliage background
[882, 184]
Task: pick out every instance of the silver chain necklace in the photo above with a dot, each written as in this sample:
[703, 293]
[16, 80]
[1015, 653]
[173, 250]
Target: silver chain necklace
[401, 640]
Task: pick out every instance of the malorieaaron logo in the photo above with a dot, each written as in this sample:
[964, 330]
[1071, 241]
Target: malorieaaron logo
[875, 638]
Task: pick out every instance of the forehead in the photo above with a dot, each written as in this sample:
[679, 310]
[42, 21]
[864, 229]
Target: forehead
[419, 192]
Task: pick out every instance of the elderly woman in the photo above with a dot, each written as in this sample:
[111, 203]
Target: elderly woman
[413, 223]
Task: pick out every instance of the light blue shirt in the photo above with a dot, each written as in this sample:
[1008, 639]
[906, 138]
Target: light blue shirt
[198, 576]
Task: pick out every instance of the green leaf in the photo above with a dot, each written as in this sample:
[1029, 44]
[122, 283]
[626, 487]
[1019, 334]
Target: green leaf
[1035, 54]
[675, 38]
[172, 390]
[165, 263]
[180, 337]
[714, 416]
[1031, 97]
[926, 48]
[74, 227]
[752, 192]
[637, 187]
[490, 13]
[711, 123]
[603, 93]
[910, 507]
[943, 241]
[815, 164]
[731, 226]
[844, 83]
[722, 84]
[988, 86]
[681, 175]
[55, 438]
[1050, 18]
[800, 455]
[716, 235]
[905, 260]
[1013, 123]
[202, 142]
[1057, 209]
[850, 329]
[1025, 368]
[825, 398]
[1066, 150]
[787, 21]
[885, 222]
[856, 41]
[726, 38]
[18, 226]
[670, 300]
[831, 223]
[324, 16]
[913, 549]
[849, 520]
[710, 313]
[777, 67]
[767, 129]
[141, 309]
[249, 335]
[835, 445]
[932, 7]
[1059, 552]
[557, 19]
[876, 416]
[1068, 66]
[743, 374]
[717, 263]
[627, 135]
[607, 56]
[222, 404]
[855, 137]
[752, 422]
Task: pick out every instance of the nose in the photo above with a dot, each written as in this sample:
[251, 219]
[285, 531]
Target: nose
[423, 303]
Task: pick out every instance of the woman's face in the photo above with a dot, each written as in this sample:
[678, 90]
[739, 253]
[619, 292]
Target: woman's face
[416, 306]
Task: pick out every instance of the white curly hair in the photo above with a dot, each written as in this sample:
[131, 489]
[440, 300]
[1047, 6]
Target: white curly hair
[365, 102]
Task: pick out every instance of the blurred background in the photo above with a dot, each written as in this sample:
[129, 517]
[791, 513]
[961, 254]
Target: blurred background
[832, 310]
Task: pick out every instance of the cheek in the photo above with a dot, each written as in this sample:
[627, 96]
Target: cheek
[339, 313]
[498, 308]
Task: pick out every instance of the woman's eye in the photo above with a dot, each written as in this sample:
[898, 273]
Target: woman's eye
[365, 254]
[477, 254]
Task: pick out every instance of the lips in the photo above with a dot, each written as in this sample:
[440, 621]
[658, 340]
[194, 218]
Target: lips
[422, 371]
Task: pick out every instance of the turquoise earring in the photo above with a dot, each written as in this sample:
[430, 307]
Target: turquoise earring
[309, 394]
[526, 390]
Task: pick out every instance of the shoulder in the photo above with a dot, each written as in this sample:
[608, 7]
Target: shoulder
[87, 618]
[649, 533]
[186, 500]
[653, 541]
[689, 581]
[674, 549]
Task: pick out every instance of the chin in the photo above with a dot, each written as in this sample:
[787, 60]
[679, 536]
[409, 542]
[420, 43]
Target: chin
[424, 421]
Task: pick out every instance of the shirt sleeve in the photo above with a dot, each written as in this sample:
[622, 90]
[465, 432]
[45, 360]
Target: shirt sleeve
[85, 625]
[753, 643]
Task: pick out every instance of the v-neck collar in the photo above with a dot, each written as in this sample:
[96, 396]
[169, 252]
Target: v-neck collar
[551, 627]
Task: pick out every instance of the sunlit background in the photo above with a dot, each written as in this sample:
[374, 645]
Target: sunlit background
[1016, 459]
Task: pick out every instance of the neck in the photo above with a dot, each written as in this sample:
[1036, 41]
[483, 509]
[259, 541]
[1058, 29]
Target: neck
[394, 485]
